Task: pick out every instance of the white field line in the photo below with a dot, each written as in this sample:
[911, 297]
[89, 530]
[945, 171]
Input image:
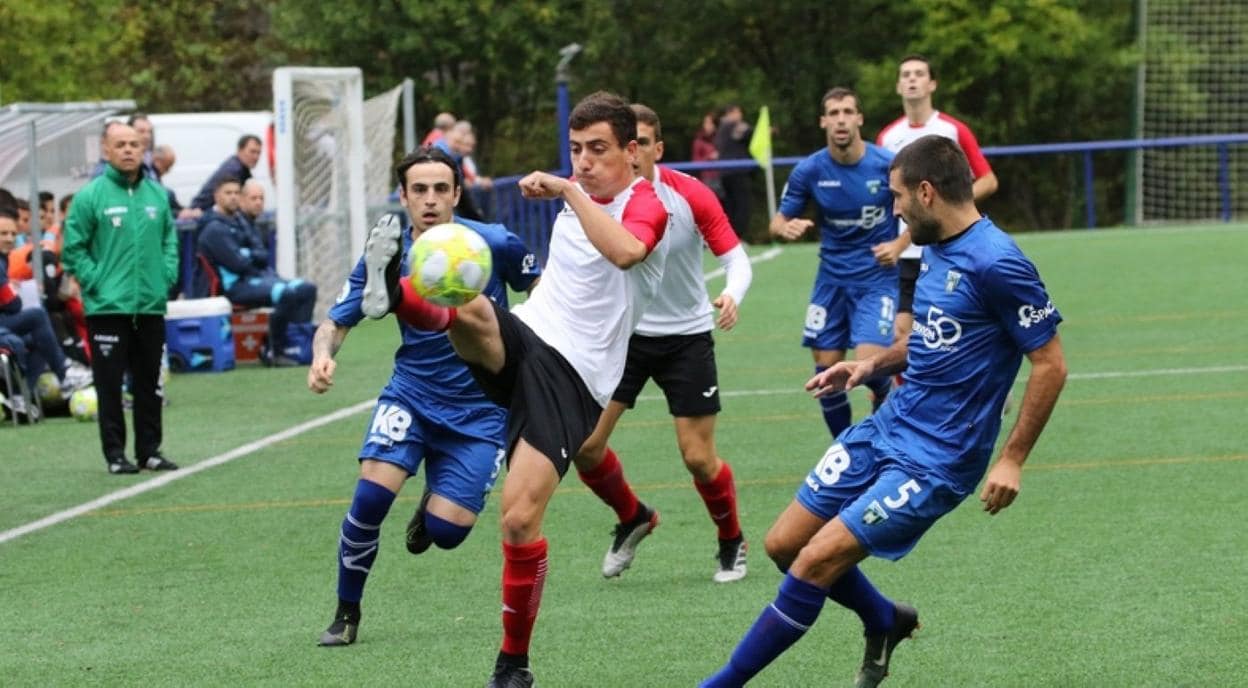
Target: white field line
[1105, 375]
[295, 431]
[166, 478]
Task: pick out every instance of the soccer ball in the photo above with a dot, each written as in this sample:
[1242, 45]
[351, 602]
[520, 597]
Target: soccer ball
[48, 387]
[450, 264]
[83, 404]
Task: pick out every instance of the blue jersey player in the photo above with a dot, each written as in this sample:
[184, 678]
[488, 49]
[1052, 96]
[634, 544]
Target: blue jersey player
[979, 308]
[854, 299]
[431, 410]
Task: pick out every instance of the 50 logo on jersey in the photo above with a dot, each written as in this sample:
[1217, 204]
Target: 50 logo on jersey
[940, 331]
[390, 424]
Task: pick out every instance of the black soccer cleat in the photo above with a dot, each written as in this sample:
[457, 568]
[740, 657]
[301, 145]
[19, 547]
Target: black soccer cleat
[157, 462]
[343, 629]
[121, 466]
[627, 537]
[382, 260]
[418, 539]
[510, 676]
[880, 647]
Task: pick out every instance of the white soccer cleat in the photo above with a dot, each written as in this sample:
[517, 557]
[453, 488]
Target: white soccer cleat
[627, 537]
[731, 559]
[380, 251]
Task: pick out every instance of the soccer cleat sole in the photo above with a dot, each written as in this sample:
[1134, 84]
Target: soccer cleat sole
[382, 245]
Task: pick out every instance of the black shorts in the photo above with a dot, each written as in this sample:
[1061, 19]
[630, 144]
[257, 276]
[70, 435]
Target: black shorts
[909, 270]
[683, 365]
[548, 404]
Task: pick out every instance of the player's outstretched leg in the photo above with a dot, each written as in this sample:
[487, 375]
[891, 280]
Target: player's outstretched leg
[357, 549]
[782, 623]
[381, 266]
[880, 647]
[627, 536]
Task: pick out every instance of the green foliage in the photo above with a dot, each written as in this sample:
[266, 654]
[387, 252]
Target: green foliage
[1019, 71]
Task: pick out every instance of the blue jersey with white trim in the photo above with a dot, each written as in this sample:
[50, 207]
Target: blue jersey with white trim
[425, 363]
[979, 306]
[855, 211]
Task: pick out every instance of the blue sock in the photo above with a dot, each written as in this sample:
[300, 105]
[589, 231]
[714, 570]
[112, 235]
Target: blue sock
[854, 592]
[445, 534]
[880, 387]
[780, 625]
[361, 533]
[836, 409]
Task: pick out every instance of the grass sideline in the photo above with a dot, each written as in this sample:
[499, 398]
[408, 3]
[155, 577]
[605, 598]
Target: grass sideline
[1121, 564]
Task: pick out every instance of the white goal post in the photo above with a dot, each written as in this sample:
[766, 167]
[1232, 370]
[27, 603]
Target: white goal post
[322, 208]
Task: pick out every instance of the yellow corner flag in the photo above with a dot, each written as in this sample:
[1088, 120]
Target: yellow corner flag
[760, 142]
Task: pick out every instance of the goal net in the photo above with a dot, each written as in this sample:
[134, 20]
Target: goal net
[334, 152]
[1194, 82]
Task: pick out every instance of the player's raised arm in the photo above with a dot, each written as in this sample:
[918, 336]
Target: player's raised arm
[629, 241]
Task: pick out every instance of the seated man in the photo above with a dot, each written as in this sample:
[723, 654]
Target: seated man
[32, 324]
[242, 263]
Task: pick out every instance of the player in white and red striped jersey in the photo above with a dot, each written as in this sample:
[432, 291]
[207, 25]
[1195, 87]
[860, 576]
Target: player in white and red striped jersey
[916, 80]
[673, 345]
[553, 362]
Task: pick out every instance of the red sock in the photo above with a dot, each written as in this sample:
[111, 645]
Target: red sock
[524, 574]
[607, 481]
[720, 496]
[421, 314]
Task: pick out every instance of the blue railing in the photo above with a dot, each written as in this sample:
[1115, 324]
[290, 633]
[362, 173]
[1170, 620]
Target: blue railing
[531, 220]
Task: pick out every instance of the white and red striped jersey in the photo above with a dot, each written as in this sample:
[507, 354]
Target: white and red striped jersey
[681, 305]
[586, 307]
[901, 133]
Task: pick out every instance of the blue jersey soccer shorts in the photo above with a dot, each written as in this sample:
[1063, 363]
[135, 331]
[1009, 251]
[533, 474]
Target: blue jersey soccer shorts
[886, 503]
[841, 317]
[461, 462]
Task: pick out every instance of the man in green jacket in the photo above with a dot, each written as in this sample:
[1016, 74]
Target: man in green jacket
[121, 244]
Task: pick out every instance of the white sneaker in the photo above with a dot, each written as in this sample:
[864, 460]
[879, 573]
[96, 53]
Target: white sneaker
[76, 377]
[20, 410]
[383, 244]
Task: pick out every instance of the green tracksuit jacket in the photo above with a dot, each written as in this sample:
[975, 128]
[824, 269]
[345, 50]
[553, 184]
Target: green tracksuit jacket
[121, 244]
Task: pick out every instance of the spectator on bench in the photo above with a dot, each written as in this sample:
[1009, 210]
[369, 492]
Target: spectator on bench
[32, 324]
[239, 256]
[237, 167]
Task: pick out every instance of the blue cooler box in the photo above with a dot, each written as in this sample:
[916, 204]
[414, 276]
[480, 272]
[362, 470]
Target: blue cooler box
[197, 332]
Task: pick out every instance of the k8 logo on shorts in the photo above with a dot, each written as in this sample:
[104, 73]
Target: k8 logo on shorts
[390, 424]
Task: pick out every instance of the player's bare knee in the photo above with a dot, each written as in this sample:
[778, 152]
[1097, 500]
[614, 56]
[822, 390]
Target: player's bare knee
[780, 548]
[590, 455]
[520, 523]
[703, 467]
